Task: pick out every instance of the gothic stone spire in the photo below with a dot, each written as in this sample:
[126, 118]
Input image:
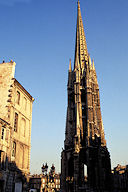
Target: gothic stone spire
[84, 136]
[83, 94]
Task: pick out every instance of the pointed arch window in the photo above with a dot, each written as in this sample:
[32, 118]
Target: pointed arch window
[16, 122]
[14, 149]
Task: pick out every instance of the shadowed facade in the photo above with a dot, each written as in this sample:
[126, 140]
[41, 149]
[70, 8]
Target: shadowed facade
[85, 144]
[15, 130]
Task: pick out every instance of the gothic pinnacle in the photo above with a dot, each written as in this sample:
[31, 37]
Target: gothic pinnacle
[90, 63]
[93, 66]
[78, 3]
[70, 66]
[81, 52]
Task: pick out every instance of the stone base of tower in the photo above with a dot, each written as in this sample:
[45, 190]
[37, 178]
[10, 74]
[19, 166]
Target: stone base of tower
[97, 161]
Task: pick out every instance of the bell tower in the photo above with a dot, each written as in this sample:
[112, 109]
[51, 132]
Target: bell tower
[85, 160]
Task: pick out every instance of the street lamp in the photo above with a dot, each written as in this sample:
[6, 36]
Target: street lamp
[50, 184]
[44, 171]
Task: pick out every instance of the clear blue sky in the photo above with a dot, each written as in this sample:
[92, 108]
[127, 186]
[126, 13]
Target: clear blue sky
[39, 35]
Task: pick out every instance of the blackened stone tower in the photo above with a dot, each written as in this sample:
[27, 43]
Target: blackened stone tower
[85, 145]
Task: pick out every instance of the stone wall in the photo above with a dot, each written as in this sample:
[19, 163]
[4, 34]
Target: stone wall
[7, 71]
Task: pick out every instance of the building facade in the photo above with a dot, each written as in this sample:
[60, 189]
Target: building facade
[85, 160]
[15, 129]
[45, 182]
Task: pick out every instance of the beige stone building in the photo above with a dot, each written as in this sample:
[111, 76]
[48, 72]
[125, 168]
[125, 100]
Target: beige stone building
[15, 127]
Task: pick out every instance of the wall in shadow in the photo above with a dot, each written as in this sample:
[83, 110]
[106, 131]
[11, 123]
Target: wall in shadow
[12, 179]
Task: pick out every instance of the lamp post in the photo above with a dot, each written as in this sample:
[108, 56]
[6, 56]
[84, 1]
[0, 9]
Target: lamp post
[49, 178]
[44, 171]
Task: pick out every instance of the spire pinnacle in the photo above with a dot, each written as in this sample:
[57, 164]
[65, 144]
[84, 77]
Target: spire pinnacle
[93, 66]
[70, 66]
[90, 63]
[81, 52]
[78, 2]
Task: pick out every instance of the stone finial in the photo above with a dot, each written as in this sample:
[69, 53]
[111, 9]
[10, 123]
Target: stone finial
[93, 66]
[70, 66]
[90, 63]
[78, 2]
